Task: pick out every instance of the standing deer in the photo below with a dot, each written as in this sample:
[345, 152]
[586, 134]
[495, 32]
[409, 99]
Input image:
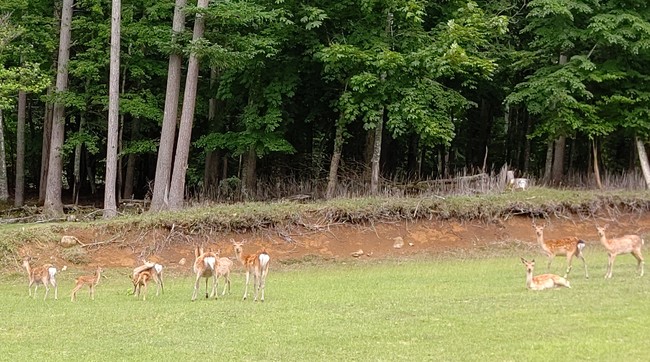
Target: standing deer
[223, 270]
[45, 275]
[90, 280]
[257, 263]
[622, 245]
[145, 273]
[569, 246]
[544, 281]
[205, 265]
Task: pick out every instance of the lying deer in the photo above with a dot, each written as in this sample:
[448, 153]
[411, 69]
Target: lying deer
[544, 281]
[90, 280]
[257, 264]
[569, 246]
[145, 273]
[45, 275]
[205, 265]
[622, 245]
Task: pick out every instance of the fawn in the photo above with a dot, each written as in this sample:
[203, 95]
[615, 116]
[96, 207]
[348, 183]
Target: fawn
[543, 281]
[258, 264]
[223, 270]
[145, 273]
[90, 280]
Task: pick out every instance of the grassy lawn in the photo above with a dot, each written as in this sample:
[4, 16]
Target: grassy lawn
[433, 309]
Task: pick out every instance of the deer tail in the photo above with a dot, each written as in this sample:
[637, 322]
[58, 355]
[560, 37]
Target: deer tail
[264, 259]
[581, 245]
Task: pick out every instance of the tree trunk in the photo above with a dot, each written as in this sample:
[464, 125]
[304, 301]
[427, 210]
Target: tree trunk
[548, 166]
[643, 159]
[211, 169]
[177, 188]
[19, 195]
[159, 198]
[376, 154]
[45, 149]
[332, 179]
[4, 188]
[110, 205]
[53, 207]
[129, 177]
[77, 162]
[248, 176]
[557, 174]
[596, 168]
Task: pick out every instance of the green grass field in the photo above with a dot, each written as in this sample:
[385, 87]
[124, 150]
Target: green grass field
[430, 309]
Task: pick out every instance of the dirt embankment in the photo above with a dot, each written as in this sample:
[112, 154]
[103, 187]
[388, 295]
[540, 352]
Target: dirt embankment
[338, 242]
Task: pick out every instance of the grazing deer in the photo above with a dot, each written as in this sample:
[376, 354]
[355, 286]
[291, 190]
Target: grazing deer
[45, 275]
[90, 280]
[543, 281]
[223, 270]
[205, 265]
[569, 246]
[622, 245]
[257, 263]
[145, 273]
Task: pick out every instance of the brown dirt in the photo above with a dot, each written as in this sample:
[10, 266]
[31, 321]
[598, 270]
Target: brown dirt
[336, 242]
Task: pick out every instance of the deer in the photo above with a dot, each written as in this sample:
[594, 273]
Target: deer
[622, 245]
[90, 280]
[223, 270]
[205, 265]
[569, 246]
[45, 274]
[145, 273]
[544, 281]
[257, 264]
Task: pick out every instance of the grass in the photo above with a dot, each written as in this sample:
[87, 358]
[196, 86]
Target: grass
[430, 309]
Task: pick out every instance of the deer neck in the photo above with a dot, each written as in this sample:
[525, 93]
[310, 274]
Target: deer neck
[98, 275]
[529, 278]
[604, 241]
[28, 268]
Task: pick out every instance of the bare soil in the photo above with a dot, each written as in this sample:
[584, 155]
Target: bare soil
[331, 242]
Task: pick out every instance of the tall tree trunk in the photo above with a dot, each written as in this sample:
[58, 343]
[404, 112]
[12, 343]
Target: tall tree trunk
[110, 205]
[77, 161]
[596, 168]
[249, 174]
[376, 154]
[4, 188]
[177, 188]
[129, 177]
[19, 195]
[557, 174]
[53, 206]
[160, 196]
[45, 149]
[643, 159]
[332, 179]
[212, 157]
[548, 166]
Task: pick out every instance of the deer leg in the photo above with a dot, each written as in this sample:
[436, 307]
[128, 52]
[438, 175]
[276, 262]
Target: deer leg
[35, 289]
[248, 275]
[196, 286]
[92, 292]
[214, 293]
[256, 284]
[226, 284]
[144, 294]
[263, 282]
[569, 260]
[206, 288]
[56, 289]
[639, 258]
[550, 260]
[585, 265]
[610, 265]
[47, 289]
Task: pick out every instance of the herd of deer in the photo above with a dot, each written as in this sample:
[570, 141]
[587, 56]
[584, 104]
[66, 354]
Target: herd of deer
[207, 264]
[572, 246]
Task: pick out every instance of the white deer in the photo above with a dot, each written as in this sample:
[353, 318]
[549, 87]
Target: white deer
[45, 275]
[258, 264]
[544, 281]
[622, 245]
[205, 265]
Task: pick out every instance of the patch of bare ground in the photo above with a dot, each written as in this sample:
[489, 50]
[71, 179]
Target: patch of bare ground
[370, 241]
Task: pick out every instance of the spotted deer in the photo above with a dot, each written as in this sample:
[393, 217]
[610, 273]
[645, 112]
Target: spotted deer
[90, 280]
[544, 281]
[205, 265]
[223, 270]
[257, 264]
[569, 246]
[621, 245]
[45, 274]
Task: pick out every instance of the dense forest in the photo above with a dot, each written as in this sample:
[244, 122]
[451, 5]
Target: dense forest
[170, 101]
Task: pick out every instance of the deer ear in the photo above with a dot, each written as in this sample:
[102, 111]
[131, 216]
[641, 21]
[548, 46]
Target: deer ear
[523, 260]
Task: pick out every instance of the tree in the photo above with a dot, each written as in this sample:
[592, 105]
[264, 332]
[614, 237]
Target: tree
[160, 196]
[53, 203]
[177, 190]
[110, 207]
